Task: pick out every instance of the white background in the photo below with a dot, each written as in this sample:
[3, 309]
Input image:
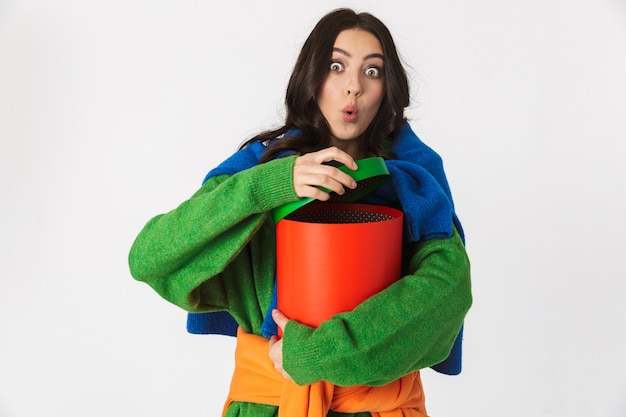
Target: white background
[113, 111]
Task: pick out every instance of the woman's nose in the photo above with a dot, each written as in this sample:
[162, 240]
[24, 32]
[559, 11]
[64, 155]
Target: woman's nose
[354, 86]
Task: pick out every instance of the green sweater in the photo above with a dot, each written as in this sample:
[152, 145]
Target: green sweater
[216, 251]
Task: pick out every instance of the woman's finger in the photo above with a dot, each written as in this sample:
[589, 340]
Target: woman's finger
[310, 172]
[280, 319]
[334, 154]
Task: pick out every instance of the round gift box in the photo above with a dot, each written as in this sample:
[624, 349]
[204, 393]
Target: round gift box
[333, 256]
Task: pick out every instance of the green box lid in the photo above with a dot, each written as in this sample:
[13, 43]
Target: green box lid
[370, 174]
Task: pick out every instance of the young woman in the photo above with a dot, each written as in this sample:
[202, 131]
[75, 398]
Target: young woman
[345, 101]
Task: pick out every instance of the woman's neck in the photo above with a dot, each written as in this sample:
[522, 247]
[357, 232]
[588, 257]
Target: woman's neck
[351, 147]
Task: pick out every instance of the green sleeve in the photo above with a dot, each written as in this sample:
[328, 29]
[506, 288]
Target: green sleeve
[410, 325]
[177, 251]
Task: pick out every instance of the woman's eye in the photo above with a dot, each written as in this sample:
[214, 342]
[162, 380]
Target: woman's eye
[336, 66]
[373, 72]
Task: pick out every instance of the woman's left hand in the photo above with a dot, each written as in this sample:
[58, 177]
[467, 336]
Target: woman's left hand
[276, 344]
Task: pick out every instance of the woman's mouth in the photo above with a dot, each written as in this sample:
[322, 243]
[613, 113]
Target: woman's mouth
[349, 114]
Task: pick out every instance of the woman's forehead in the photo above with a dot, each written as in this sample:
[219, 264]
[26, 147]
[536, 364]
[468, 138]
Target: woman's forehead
[358, 41]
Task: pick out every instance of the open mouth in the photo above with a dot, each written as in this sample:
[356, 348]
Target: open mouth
[349, 114]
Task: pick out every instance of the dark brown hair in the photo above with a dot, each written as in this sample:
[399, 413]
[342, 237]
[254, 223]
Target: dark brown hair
[310, 71]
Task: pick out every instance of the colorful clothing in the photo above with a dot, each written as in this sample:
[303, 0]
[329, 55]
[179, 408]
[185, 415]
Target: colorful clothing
[418, 184]
[255, 380]
[215, 252]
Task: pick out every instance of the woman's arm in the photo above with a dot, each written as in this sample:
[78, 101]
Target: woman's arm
[177, 251]
[409, 326]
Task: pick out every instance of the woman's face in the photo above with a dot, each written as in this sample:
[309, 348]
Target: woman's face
[351, 94]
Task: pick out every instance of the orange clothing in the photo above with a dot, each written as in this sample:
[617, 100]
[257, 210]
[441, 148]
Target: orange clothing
[255, 380]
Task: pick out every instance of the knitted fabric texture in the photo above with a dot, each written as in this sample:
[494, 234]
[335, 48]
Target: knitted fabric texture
[418, 182]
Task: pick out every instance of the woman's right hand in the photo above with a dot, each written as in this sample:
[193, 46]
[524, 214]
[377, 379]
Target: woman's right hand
[310, 172]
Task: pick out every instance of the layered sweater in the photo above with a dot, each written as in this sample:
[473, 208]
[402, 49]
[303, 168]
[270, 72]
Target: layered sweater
[418, 185]
[215, 252]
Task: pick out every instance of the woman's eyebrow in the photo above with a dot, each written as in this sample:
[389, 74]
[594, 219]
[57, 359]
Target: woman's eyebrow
[346, 53]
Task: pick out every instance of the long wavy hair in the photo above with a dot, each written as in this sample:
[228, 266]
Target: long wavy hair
[311, 69]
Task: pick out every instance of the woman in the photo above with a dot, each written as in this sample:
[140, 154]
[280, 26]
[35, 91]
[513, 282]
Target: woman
[345, 101]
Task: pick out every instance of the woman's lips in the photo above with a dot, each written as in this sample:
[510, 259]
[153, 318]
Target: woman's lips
[349, 114]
